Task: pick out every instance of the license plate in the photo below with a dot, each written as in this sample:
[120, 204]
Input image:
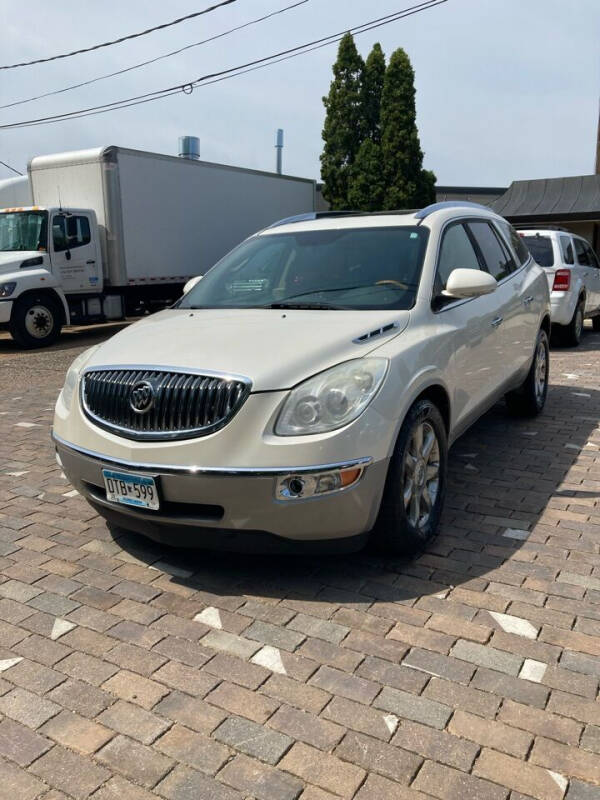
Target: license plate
[131, 490]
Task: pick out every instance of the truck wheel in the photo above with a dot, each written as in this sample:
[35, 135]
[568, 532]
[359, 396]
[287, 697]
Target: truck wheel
[416, 483]
[571, 333]
[35, 321]
[529, 399]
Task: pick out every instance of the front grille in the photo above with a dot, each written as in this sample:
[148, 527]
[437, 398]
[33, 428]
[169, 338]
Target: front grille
[156, 405]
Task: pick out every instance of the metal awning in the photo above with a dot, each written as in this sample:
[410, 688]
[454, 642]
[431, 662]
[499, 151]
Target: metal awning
[551, 199]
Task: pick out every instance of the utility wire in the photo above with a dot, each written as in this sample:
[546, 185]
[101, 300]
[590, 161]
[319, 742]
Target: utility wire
[232, 72]
[158, 58]
[8, 166]
[122, 39]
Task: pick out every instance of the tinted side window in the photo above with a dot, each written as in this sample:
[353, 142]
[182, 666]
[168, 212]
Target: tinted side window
[78, 231]
[70, 232]
[566, 246]
[583, 257]
[592, 256]
[516, 241]
[498, 261]
[456, 252]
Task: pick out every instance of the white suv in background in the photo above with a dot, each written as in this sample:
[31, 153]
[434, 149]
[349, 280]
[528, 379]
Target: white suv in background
[573, 274]
[308, 387]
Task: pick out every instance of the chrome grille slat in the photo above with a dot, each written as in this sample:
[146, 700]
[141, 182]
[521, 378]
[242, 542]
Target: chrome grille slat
[186, 404]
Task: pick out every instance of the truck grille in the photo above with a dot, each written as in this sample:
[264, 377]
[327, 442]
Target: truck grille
[149, 404]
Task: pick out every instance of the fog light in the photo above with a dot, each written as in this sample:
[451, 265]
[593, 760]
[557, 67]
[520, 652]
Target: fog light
[299, 487]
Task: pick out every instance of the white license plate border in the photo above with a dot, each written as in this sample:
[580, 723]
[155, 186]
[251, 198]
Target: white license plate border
[127, 476]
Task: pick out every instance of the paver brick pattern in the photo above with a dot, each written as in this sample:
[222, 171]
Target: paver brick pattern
[129, 670]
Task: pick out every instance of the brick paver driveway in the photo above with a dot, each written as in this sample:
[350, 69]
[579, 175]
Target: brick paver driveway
[130, 671]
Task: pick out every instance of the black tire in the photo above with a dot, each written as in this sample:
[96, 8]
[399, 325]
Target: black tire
[571, 333]
[395, 530]
[529, 399]
[596, 323]
[36, 321]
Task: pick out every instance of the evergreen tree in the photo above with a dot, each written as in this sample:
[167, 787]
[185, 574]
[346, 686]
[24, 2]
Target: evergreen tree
[372, 89]
[366, 186]
[407, 184]
[344, 123]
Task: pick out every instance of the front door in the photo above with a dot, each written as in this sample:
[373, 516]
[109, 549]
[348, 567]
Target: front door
[74, 258]
[475, 338]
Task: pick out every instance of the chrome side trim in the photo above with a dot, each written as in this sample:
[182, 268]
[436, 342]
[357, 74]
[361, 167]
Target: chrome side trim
[198, 470]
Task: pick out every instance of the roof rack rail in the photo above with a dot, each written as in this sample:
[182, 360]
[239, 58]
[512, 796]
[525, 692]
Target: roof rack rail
[312, 215]
[425, 212]
[540, 226]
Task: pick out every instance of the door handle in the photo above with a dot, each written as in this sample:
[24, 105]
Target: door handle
[528, 300]
[93, 261]
[497, 322]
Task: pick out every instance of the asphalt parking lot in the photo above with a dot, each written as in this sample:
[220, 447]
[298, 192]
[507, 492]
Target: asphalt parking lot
[132, 671]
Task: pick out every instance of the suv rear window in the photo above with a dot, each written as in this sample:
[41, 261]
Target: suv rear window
[540, 248]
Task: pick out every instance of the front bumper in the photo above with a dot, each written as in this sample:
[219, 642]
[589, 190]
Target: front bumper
[233, 509]
[5, 311]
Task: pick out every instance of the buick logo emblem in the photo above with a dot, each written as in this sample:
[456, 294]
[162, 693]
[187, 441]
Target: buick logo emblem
[142, 397]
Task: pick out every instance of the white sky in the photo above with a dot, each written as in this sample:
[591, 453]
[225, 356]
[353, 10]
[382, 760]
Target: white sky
[506, 89]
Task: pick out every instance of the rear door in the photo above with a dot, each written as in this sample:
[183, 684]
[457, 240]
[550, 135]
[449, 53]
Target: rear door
[595, 277]
[584, 256]
[74, 257]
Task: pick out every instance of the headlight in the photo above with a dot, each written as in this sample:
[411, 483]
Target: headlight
[6, 289]
[331, 399]
[72, 378]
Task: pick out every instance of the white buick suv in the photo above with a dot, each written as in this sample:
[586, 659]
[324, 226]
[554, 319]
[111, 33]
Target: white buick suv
[307, 389]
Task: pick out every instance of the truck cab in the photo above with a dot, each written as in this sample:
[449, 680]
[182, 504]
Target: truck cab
[50, 270]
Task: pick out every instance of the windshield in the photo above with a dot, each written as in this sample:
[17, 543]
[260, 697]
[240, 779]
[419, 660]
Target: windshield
[540, 248]
[23, 230]
[356, 268]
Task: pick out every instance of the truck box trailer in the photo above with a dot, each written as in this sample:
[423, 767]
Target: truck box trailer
[114, 231]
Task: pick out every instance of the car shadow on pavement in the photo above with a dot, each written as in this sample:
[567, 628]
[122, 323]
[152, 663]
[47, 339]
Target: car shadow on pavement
[511, 483]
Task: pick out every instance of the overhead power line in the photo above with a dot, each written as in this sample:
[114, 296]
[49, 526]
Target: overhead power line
[157, 58]
[12, 169]
[121, 39]
[232, 72]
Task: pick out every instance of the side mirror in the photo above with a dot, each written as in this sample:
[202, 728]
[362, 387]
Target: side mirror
[463, 283]
[191, 283]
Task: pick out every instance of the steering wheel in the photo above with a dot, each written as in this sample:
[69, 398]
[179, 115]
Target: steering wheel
[392, 283]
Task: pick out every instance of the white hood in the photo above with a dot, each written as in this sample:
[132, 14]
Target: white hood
[11, 260]
[276, 349]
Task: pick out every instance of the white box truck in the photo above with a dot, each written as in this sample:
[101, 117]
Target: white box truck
[114, 232]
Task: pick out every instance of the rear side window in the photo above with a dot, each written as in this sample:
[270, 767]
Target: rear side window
[540, 248]
[583, 256]
[496, 257]
[592, 256]
[566, 247]
[516, 241]
[456, 252]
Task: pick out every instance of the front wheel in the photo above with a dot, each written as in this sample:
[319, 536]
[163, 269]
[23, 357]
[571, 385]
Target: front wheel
[529, 399]
[36, 321]
[416, 483]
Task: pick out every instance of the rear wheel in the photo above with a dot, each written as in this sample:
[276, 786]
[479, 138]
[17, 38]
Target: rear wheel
[529, 399]
[571, 333]
[414, 493]
[36, 321]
